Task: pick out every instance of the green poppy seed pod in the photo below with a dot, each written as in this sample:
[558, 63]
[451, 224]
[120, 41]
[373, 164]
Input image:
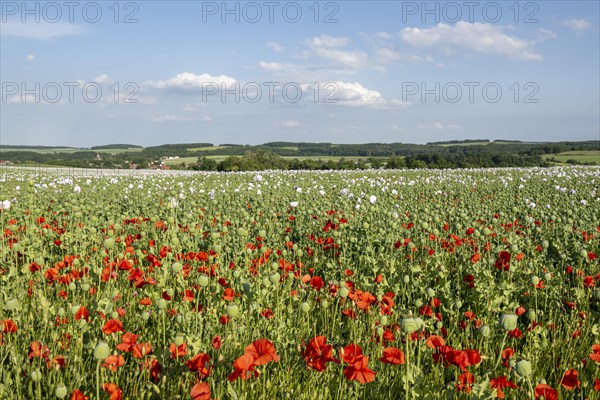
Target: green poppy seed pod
[547, 276]
[101, 351]
[384, 320]
[523, 368]
[530, 315]
[418, 303]
[439, 324]
[176, 267]
[203, 281]
[61, 391]
[484, 331]
[262, 233]
[324, 304]
[410, 325]
[61, 312]
[430, 292]
[406, 279]
[36, 375]
[305, 307]
[236, 273]
[508, 322]
[233, 310]
[596, 294]
[109, 243]
[534, 280]
[514, 248]
[379, 331]
[74, 309]
[487, 231]
[179, 318]
[162, 304]
[344, 292]
[274, 278]
[458, 304]
[175, 241]
[179, 339]
[145, 316]
[114, 315]
[12, 304]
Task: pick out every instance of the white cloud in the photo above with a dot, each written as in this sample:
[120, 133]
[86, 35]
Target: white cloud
[189, 80]
[477, 37]
[327, 41]
[177, 118]
[290, 123]
[545, 34]
[103, 79]
[328, 47]
[206, 118]
[40, 31]
[355, 95]
[275, 47]
[386, 55]
[577, 25]
[30, 57]
[275, 66]
[437, 126]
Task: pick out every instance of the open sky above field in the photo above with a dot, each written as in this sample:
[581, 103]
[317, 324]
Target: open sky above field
[153, 72]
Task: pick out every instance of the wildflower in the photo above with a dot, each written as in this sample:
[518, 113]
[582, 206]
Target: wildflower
[200, 391]
[569, 380]
[392, 355]
[317, 353]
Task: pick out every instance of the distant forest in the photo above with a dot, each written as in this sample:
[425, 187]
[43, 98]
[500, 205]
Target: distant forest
[300, 155]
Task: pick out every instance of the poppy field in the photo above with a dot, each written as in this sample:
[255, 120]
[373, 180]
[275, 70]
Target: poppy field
[464, 284]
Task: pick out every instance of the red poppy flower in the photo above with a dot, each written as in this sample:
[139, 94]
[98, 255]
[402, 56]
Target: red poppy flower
[200, 363]
[139, 350]
[128, 340]
[78, 395]
[154, 367]
[351, 353]
[435, 341]
[200, 391]
[465, 382]
[501, 383]
[37, 350]
[113, 362]
[9, 326]
[317, 283]
[597, 385]
[228, 294]
[244, 368]
[392, 355]
[595, 356]
[113, 391]
[359, 371]
[178, 351]
[112, 326]
[569, 380]
[263, 352]
[216, 342]
[317, 353]
[546, 391]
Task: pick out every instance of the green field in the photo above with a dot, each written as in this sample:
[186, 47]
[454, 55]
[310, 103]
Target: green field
[178, 161]
[56, 150]
[587, 156]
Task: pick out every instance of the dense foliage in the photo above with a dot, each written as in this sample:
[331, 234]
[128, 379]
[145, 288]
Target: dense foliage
[465, 284]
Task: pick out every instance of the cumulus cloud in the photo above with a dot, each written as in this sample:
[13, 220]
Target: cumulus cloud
[30, 57]
[275, 47]
[172, 118]
[190, 81]
[354, 95]
[475, 37]
[577, 25]
[290, 123]
[331, 49]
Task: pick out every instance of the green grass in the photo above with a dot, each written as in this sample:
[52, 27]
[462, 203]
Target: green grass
[583, 156]
[212, 148]
[55, 150]
[178, 161]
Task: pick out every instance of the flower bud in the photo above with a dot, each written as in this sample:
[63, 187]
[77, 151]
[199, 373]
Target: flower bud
[344, 292]
[233, 310]
[203, 281]
[410, 325]
[61, 391]
[101, 351]
[508, 321]
[484, 331]
[523, 368]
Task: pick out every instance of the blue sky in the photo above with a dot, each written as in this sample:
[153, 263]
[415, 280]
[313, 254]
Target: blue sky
[253, 72]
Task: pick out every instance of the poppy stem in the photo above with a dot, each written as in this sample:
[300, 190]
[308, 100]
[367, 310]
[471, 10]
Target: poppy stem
[501, 349]
[98, 379]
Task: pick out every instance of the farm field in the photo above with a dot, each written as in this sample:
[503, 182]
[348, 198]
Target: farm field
[589, 156]
[429, 284]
